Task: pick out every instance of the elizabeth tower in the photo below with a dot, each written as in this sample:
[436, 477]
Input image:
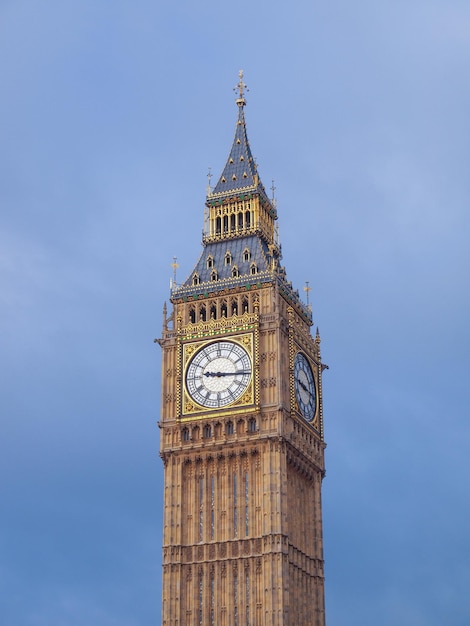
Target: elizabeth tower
[241, 422]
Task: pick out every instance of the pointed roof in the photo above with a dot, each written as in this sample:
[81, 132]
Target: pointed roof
[244, 258]
[240, 171]
[249, 256]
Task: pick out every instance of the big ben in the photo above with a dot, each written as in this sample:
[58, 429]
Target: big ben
[241, 427]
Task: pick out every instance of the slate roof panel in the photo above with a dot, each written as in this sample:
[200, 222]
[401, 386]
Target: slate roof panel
[236, 247]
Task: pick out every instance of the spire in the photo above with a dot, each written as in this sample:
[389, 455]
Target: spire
[240, 171]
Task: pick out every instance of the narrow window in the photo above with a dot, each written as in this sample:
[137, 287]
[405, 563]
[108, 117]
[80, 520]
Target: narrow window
[196, 279]
[228, 258]
[213, 312]
[232, 222]
[229, 428]
[207, 431]
[192, 315]
[210, 262]
[235, 272]
[223, 309]
[213, 601]
[201, 508]
[247, 219]
[235, 506]
[240, 221]
[202, 313]
[247, 596]
[253, 268]
[212, 507]
[245, 305]
[225, 223]
[201, 590]
[234, 307]
[185, 434]
[235, 598]
[246, 255]
[214, 276]
[247, 503]
[218, 224]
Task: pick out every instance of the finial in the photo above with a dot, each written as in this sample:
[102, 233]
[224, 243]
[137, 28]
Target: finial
[175, 266]
[240, 88]
[273, 189]
[307, 290]
[165, 321]
[209, 176]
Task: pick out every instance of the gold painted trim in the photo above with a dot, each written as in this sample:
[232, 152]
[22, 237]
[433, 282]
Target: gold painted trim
[316, 371]
[189, 405]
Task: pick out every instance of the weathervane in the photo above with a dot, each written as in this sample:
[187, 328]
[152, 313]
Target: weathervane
[241, 87]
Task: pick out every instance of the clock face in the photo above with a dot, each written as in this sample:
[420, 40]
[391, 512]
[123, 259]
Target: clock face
[305, 386]
[218, 374]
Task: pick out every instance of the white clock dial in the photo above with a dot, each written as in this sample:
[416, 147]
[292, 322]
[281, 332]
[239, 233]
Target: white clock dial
[218, 374]
[304, 383]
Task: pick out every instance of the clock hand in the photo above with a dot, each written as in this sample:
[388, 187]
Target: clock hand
[219, 374]
[304, 387]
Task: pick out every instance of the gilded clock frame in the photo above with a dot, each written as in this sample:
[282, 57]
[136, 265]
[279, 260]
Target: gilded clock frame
[190, 408]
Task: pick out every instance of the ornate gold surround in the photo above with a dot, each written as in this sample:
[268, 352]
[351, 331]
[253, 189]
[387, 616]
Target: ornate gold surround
[189, 407]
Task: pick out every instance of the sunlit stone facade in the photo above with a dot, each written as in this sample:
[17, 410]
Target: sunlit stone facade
[241, 423]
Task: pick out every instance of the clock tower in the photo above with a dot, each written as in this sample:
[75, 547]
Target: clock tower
[241, 422]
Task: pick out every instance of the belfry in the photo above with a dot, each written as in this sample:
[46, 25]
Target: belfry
[241, 427]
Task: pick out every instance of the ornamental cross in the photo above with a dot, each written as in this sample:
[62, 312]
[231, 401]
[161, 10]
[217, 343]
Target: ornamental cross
[241, 85]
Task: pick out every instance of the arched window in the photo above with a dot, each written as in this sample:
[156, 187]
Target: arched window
[235, 272]
[228, 258]
[202, 313]
[192, 315]
[214, 275]
[223, 309]
[234, 307]
[196, 279]
[185, 434]
[218, 225]
[213, 312]
[210, 262]
[207, 431]
[229, 429]
[225, 223]
[240, 220]
[253, 268]
[247, 219]
[245, 305]
[246, 255]
[232, 222]
[252, 425]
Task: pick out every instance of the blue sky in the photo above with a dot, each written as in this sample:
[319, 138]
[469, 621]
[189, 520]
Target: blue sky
[110, 115]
